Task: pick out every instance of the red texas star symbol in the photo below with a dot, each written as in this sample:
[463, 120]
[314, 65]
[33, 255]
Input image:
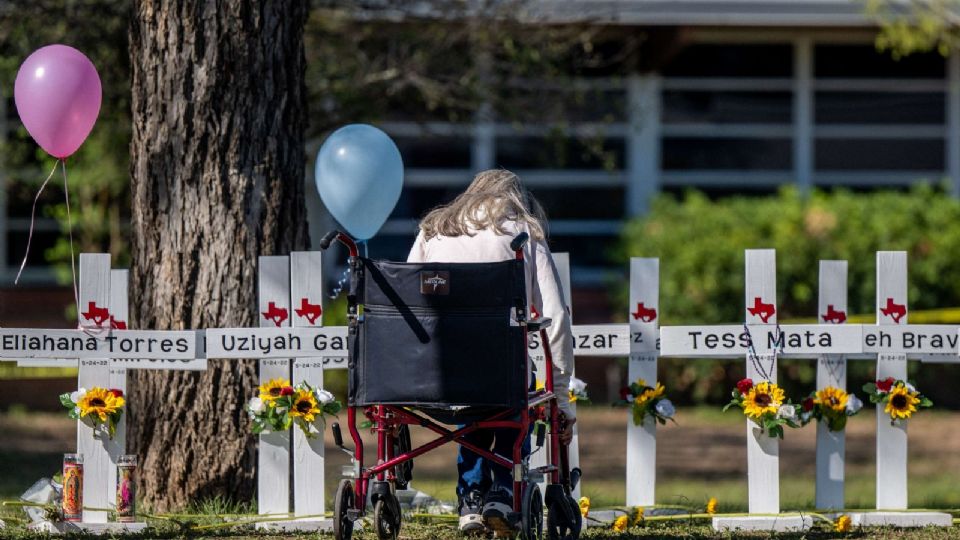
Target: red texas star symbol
[834, 316]
[98, 315]
[759, 309]
[275, 314]
[644, 313]
[309, 311]
[894, 311]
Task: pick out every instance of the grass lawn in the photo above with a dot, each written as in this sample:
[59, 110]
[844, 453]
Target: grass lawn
[702, 457]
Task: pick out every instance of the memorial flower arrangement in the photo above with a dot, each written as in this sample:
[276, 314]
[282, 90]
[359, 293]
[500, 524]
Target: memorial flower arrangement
[900, 398]
[99, 408]
[712, 504]
[843, 524]
[831, 405]
[764, 403]
[280, 405]
[578, 391]
[646, 400]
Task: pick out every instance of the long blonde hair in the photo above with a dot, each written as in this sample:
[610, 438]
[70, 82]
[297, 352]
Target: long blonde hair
[494, 197]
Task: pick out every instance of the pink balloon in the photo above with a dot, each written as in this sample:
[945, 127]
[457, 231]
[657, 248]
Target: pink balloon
[58, 98]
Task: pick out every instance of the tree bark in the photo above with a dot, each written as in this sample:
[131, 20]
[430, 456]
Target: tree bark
[217, 167]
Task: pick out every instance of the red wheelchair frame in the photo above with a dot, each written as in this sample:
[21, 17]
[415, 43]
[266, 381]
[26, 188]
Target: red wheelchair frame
[564, 519]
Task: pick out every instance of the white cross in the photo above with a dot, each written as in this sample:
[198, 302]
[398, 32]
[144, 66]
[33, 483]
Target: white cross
[291, 344]
[103, 304]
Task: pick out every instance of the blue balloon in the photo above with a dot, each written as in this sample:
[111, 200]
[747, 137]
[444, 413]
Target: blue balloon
[359, 176]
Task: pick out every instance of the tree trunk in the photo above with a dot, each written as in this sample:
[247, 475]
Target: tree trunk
[217, 167]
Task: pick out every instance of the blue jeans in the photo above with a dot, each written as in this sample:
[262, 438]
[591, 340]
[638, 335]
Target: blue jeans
[479, 474]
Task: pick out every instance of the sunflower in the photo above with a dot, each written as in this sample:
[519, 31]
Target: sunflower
[648, 393]
[539, 385]
[712, 505]
[763, 398]
[305, 405]
[620, 524]
[638, 516]
[901, 402]
[584, 504]
[832, 398]
[100, 402]
[842, 524]
[271, 391]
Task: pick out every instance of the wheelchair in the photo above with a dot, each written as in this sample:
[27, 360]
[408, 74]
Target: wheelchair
[446, 343]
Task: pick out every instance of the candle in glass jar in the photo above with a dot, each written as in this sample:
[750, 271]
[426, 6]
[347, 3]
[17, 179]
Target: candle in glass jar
[72, 502]
[126, 488]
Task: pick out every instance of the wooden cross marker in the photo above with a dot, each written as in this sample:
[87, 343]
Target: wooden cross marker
[831, 371]
[643, 316]
[292, 344]
[103, 350]
[761, 340]
[892, 340]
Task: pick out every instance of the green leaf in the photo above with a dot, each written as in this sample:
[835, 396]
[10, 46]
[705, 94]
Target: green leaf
[66, 401]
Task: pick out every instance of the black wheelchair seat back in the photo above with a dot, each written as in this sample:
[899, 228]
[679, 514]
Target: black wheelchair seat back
[439, 336]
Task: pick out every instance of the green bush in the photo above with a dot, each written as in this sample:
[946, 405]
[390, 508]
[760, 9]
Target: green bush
[701, 246]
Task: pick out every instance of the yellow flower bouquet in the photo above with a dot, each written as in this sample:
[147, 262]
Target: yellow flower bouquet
[831, 405]
[764, 403]
[99, 408]
[900, 398]
[280, 405]
[645, 400]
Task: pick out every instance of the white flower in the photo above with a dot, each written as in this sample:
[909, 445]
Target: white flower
[76, 411]
[788, 412]
[78, 395]
[255, 406]
[853, 405]
[577, 386]
[323, 396]
[806, 416]
[665, 408]
[909, 387]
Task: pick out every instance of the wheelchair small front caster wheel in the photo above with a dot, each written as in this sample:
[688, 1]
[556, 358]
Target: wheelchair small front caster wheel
[386, 518]
[344, 501]
[531, 518]
[559, 524]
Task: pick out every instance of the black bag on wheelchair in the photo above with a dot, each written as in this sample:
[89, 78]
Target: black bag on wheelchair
[439, 335]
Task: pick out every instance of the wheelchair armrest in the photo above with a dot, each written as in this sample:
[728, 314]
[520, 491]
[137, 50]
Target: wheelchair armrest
[535, 325]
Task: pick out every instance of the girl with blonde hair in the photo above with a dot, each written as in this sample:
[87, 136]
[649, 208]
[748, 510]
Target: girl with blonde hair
[478, 227]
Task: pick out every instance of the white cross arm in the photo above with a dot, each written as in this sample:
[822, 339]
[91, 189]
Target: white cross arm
[593, 340]
[79, 344]
[280, 342]
[734, 340]
[912, 339]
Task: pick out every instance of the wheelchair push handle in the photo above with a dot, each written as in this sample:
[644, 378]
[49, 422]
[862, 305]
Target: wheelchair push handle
[343, 238]
[519, 241]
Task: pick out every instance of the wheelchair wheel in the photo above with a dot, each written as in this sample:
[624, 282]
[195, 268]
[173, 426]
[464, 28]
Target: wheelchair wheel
[531, 517]
[342, 525]
[402, 445]
[559, 525]
[387, 518]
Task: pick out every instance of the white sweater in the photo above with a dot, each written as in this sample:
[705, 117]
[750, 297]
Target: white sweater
[543, 286]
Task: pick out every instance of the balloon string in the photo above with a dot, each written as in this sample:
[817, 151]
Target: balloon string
[33, 214]
[73, 264]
